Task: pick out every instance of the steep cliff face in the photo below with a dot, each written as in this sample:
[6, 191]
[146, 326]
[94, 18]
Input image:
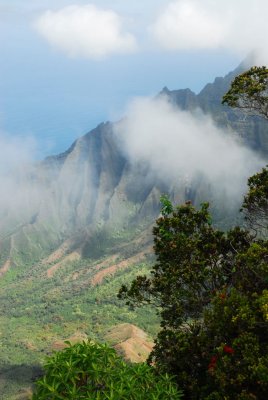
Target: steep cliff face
[82, 180]
[87, 188]
[93, 186]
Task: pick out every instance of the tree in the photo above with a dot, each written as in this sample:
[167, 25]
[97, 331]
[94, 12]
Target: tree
[211, 287]
[255, 205]
[249, 92]
[208, 286]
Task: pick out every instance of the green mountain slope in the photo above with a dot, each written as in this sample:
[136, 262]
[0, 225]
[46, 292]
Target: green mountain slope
[82, 229]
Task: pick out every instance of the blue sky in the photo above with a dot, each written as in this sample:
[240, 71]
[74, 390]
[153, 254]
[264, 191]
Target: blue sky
[67, 66]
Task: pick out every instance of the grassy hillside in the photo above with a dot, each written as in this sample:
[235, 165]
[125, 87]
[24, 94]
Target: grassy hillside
[65, 296]
[84, 229]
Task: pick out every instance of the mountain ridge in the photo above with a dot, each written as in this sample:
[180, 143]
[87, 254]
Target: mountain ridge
[93, 184]
[77, 227]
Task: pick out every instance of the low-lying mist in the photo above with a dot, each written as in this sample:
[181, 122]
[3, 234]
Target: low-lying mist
[18, 193]
[181, 148]
[178, 143]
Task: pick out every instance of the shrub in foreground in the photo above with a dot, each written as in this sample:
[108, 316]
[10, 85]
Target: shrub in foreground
[95, 371]
[211, 290]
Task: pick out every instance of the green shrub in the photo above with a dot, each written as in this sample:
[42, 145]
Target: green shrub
[211, 290]
[94, 371]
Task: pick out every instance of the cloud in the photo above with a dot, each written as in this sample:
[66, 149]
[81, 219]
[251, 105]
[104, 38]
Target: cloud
[240, 26]
[178, 144]
[19, 194]
[186, 24]
[86, 31]
[15, 151]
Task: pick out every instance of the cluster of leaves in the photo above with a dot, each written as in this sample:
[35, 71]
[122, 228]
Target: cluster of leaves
[255, 205]
[95, 371]
[210, 289]
[249, 92]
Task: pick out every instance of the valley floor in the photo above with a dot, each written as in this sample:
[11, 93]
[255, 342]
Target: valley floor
[66, 297]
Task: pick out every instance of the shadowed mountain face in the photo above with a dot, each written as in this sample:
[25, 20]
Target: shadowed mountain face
[93, 187]
[89, 187]
[253, 130]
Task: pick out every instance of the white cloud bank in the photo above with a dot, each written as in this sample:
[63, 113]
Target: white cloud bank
[178, 144]
[18, 194]
[15, 152]
[240, 26]
[90, 31]
[86, 31]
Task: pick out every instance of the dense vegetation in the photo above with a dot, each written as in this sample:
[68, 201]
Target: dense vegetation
[94, 371]
[211, 287]
[37, 314]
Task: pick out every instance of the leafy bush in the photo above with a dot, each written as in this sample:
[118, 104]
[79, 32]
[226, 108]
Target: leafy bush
[210, 288]
[95, 371]
[255, 205]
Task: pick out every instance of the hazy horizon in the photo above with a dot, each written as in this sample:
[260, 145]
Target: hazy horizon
[66, 67]
[53, 97]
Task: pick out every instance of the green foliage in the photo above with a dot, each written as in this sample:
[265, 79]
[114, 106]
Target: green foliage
[95, 371]
[188, 251]
[241, 367]
[249, 91]
[210, 288]
[255, 205]
[166, 205]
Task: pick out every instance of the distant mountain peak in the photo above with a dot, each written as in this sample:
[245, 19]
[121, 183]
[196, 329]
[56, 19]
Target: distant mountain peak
[94, 184]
